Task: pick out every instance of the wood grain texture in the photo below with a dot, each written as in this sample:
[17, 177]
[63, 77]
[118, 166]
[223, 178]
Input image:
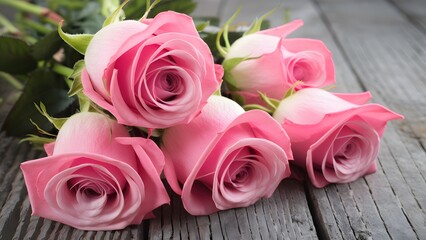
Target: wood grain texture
[382, 49]
[377, 45]
[283, 216]
[414, 10]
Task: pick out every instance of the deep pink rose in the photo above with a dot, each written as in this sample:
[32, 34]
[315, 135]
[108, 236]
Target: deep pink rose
[225, 158]
[95, 176]
[278, 63]
[335, 137]
[153, 74]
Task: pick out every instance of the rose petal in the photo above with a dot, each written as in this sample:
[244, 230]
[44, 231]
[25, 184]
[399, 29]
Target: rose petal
[283, 30]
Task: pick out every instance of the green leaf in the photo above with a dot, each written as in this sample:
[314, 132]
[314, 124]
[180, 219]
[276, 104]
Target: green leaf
[116, 16]
[16, 56]
[57, 122]
[76, 86]
[47, 46]
[133, 9]
[77, 41]
[44, 86]
[88, 19]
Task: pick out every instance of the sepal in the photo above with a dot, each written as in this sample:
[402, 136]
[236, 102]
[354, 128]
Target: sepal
[116, 16]
[257, 23]
[224, 31]
[75, 77]
[149, 7]
[57, 122]
[37, 141]
[77, 41]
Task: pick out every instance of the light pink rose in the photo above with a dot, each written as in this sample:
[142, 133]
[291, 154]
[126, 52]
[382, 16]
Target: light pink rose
[95, 176]
[153, 74]
[335, 137]
[278, 63]
[225, 158]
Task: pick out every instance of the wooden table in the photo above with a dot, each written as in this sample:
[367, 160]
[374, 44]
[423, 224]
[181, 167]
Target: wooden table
[378, 46]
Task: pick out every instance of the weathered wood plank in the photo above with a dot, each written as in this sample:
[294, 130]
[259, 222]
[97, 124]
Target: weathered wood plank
[283, 216]
[383, 50]
[414, 10]
[207, 8]
[336, 216]
[12, 191]
[376, 48]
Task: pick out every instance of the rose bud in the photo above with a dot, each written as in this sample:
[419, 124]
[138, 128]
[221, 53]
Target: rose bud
[275, 63]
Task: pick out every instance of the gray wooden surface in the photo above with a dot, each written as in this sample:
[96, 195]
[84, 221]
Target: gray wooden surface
[378, 46]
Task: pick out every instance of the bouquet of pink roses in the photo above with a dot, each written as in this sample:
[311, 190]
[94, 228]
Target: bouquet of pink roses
[226, 132]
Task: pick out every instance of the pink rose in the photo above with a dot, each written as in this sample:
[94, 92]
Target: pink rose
[278, 63]
[154, 74]
[336, 137]
[225, 158]
[95, 176]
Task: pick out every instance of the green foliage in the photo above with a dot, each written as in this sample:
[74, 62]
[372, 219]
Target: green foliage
[47, 46]
[43, 86]
[57, 122]
[42, 52]
[135, 8]
[87, 19]
[16, 56]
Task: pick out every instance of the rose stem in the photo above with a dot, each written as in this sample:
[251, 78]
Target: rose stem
[11, 80]
[43, 12]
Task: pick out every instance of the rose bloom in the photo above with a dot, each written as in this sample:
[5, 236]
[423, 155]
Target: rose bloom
[278, 63]
[95, 176]
[335, 137]
[154, 74]
[225, 158]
